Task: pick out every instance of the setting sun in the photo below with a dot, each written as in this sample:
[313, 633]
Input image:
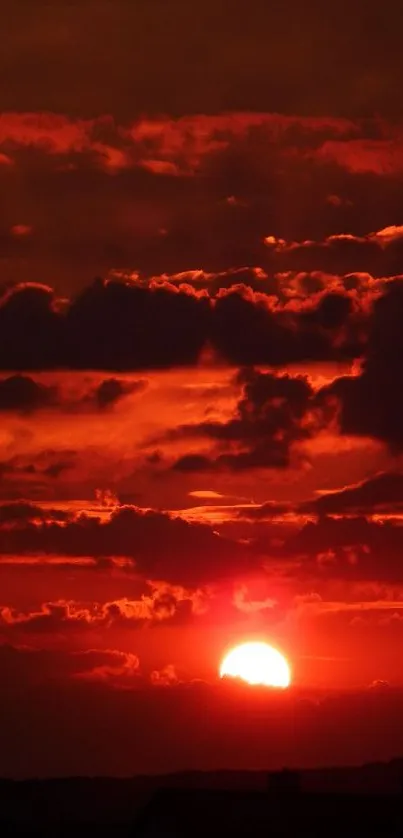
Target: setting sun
[257, 663]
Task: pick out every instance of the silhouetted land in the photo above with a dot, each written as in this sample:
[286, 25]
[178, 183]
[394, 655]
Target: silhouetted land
[333, 801]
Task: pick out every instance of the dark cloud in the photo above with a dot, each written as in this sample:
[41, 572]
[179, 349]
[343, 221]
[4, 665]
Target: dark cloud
[271, 416]
[247, 330]
[158, 544]
[279, 410]
[124, 326]
[266, 511]
[24, 474]
[111, 390]
[367, 403]
[55, 469]
[333, 541]
[193, 462]
[21, 393]
[20, 512]
[26, 669]
[371, 402]
[381, 493]
[110, 326]
[348, 548]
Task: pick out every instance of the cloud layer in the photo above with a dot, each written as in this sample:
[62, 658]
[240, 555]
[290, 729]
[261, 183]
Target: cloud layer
[201, 309]
[163, 195]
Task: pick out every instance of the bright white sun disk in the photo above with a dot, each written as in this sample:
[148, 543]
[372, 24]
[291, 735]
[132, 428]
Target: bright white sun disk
[257, 663]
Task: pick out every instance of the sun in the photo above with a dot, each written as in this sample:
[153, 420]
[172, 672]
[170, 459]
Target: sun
[257, 663]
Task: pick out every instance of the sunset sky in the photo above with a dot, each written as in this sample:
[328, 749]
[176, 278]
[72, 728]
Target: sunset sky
[201, 400]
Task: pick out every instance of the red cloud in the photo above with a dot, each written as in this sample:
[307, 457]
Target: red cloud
[162, 603]
[166, 677]
[381, 156]
[121, 670]
[179, 146]
[58, 135]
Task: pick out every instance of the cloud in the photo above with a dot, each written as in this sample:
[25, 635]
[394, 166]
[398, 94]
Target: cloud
[111, 390]
[24, 669]
[269, 510]
[249, 329]
[313, 605]
[382, 493]
[208, 494]
[244, 603]
[20, 512]
[59, 135]
[366, 155]
[54, 618]
[24, 394]
[24, 474]
[162, 322]
[350, 548]
[223, 235]
[166, 677]
[379, 684]
[157, 544]
[161, 603]
[120, 670]
[272, 415]
[379, 254]
[21, 393]
[165, 183]
[109, 326]
[371, 403]
[194, 462]
[166, 146]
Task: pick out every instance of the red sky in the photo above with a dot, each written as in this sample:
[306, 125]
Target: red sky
[201, 438]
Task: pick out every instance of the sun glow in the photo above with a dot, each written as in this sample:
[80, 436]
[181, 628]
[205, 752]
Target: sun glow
[257, 663]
